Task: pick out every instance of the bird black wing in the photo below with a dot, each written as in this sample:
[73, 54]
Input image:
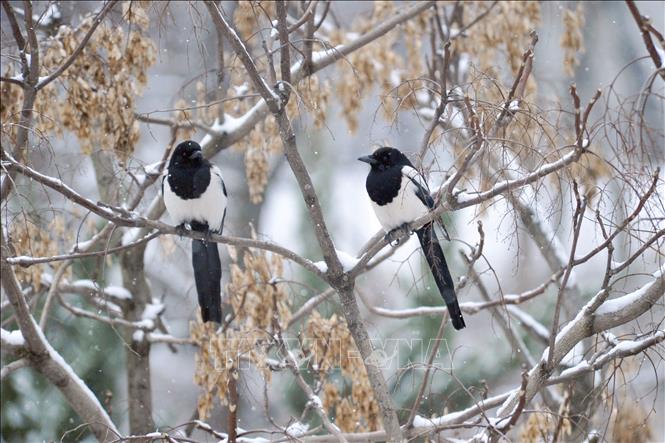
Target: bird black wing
[423, 193]
[215, 170]
[421, 188]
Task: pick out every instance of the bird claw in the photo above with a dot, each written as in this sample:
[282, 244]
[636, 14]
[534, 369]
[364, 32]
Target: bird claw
[389, 238]
[396, 234]
[180, 229]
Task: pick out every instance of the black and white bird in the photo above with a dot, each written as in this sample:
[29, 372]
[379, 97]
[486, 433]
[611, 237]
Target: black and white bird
[399, 195]
[195, 195]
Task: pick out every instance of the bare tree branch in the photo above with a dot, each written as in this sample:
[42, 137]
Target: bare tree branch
[646, 36]
[578, 218]
[623, 349]
[285, 57]
[9, 368]
[428, 368]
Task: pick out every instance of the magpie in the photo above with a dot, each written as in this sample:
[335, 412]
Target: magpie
[399, 195]
[195, 195]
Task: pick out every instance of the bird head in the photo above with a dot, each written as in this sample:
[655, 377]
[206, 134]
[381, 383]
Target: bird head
[187, 153]
[385, 158]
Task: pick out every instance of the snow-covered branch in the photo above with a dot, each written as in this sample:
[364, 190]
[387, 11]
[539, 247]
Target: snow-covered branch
[622, 349]
[588, 322]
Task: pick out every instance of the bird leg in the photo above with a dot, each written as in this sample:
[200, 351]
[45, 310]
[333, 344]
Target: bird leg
[397, 233]
[180, 229]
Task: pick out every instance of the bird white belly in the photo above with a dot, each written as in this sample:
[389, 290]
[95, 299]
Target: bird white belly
[404, 208]
[208, 208]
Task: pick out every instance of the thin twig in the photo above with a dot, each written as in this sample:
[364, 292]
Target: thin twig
[11, 80]
[16, 31]
[515, 415]
[646, 36]
[428, 368]
[174, 123]
[438, 112]
[515, 340]
[578, 217]
[30, 261]
[621, 226]
[310, 305]
[13, 366]
[304, 17]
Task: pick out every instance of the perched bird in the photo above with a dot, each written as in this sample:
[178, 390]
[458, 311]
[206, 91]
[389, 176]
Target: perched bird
[399, 195]
[195, 195]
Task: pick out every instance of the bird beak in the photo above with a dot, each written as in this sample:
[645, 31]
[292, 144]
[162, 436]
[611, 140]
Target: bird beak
[196, 155]
[368, 159]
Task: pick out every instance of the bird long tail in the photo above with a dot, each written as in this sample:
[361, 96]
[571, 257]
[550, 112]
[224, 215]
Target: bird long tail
[439, 267]
[208, 275]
